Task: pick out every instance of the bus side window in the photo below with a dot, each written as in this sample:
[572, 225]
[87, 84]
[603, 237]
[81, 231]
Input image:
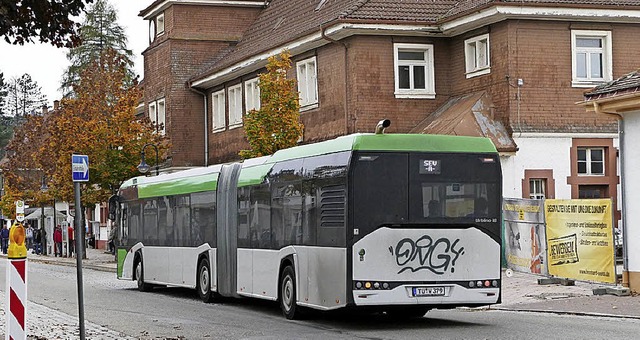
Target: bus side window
[244, 204]
[260, 217]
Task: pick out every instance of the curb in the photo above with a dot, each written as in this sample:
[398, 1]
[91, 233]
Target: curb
[103, 268]
[604, 315]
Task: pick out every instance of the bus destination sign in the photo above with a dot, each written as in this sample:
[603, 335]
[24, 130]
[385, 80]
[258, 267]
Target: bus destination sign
[430, 167]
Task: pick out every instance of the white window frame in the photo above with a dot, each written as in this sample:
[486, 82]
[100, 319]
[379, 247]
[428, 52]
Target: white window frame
[588, 161]
[473, 56]
[153, 113]
[235, 106]
[307, 75]
[429, 92]
[161, 111]
[218, 111]
[607, 58]
[160, 24]
[539, 188]
[252, 94]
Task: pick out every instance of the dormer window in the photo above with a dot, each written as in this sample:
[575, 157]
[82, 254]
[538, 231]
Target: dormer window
[156, 27]
[160, 23]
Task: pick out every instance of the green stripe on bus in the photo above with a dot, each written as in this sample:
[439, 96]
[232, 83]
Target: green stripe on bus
[121, 255]
[343, 143]
[179, 186]
[423, 143]
[389, 142]
[253, 175]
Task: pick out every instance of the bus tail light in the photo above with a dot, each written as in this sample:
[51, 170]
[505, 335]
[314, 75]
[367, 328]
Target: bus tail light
[484, 284]
[371, 285]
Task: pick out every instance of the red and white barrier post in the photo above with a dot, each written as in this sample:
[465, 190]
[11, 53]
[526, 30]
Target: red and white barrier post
[16, 317]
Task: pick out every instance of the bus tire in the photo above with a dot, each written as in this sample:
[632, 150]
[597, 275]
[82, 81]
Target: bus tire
[142, 286]
[290, 308]
[203, 284]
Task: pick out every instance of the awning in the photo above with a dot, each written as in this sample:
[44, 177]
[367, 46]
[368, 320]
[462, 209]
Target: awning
[48, 212]
[468, 115]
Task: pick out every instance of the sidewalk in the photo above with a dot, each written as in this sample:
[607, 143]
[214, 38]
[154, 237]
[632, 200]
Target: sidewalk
[97, 259]
[521, 292]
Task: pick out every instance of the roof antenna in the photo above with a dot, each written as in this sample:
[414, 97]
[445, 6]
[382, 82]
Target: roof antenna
[383, 124]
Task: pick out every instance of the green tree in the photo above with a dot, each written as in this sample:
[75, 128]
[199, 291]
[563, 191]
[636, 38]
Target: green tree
[50, 21]
[100, 31]
[24, 97]
[99, 122]
[276, 125]
[6, 126]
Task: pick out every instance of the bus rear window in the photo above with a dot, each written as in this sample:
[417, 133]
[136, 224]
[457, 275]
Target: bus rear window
[455, 199]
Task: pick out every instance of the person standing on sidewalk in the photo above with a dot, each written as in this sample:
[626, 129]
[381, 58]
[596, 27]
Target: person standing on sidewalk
[4, 237]
[112, 240]
[70, 239]
[57, 240]
[29, 233]
[37, 241]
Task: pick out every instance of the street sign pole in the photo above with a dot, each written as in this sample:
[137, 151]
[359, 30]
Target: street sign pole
[80, 173]
[79, 255]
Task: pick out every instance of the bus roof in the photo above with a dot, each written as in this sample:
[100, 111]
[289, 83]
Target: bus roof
[254, 170]
[176, 183]
[254, 173]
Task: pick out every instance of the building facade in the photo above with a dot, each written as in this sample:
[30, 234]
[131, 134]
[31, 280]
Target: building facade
[508, 70]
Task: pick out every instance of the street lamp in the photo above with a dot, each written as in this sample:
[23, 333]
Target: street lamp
[44, 188]
[143, 167]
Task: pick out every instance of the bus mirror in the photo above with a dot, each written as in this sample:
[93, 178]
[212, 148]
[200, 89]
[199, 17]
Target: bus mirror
[113, 206]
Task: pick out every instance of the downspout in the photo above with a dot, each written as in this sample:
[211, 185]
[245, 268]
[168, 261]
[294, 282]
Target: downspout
[206, 124]
[346, 76]
[625, 244]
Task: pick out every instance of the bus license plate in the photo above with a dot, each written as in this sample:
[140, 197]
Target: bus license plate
[428, 291]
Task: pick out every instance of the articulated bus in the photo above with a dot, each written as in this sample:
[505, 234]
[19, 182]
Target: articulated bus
[394, 223]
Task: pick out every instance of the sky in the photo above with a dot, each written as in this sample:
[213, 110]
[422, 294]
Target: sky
[46, 63]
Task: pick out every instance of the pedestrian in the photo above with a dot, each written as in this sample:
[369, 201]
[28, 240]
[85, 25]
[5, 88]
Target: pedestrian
[112, 239]
[37, 240]
[57, 240]
[4, 237]
[70, 239]
[29, 232]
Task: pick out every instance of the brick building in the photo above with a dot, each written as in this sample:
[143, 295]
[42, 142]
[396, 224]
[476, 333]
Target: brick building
[508, 70]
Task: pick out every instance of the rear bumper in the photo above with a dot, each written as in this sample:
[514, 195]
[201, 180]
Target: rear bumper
[403, 295]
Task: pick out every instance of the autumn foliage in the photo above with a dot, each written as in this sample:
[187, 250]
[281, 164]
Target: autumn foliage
[99, 122]
[276, 125]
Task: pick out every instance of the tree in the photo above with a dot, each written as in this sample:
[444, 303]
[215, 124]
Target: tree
[100, 31]
[6, 126]
[24, 97]
[50, 21]
[276, 125]
[99, 122]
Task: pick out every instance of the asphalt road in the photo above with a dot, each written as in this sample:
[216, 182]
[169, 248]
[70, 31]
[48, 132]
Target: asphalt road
[174, 313]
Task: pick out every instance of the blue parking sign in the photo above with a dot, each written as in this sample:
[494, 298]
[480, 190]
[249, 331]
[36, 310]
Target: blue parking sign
[80, 168]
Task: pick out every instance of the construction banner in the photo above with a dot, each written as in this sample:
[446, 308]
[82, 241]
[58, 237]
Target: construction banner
[524, 235]
[580, 239]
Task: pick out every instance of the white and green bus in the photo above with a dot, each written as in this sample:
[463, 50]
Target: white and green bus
[398, 223]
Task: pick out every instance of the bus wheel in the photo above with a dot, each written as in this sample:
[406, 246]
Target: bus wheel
[142, 286]
[288, 304]
[204, 281]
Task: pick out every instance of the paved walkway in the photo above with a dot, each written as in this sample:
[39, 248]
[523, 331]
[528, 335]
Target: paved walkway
[523, 293]
[44, 323]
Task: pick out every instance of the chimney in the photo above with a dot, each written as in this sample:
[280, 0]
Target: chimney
[56, 103]
[45, 109]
